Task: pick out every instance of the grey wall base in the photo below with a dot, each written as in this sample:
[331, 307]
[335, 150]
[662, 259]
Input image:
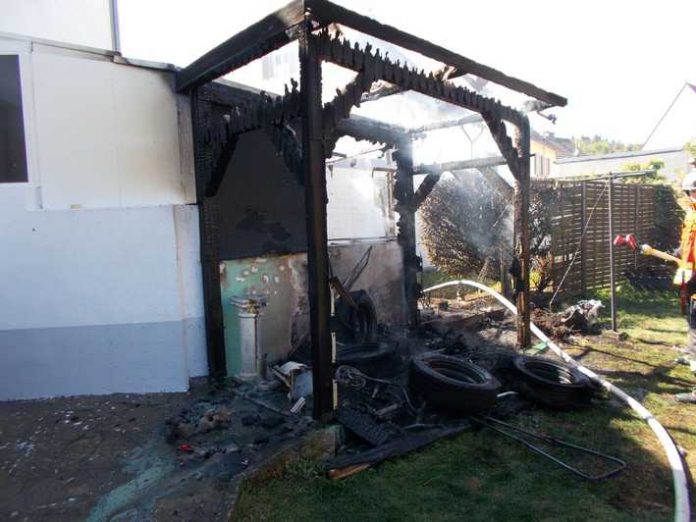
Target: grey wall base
[82, 360]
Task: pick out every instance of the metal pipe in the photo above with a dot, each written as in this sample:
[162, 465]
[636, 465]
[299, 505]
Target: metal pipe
[612, 284]
[682, 509]
[115, 30]
[603, 177]
[438, 168]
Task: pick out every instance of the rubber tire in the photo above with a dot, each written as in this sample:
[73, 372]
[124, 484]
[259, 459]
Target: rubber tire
[551, 383]
[356, 326]
[373, 359]
[454, 384]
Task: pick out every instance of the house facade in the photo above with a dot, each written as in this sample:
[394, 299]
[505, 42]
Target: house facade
[99, 230]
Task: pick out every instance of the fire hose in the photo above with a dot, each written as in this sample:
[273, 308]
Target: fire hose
[680, 278]
[682, 512]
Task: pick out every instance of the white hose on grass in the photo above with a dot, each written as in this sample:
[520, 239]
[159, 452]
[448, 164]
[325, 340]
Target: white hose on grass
[681, 490]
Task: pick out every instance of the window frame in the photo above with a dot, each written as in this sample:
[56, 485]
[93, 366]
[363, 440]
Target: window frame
[23, 120]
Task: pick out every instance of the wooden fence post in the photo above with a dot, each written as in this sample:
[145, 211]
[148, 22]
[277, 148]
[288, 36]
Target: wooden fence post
[583, 219]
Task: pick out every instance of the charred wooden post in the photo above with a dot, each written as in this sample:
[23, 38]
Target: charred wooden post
[522, 231]
[314, 171]
[583, 242]
[406, 207]
[207, 222]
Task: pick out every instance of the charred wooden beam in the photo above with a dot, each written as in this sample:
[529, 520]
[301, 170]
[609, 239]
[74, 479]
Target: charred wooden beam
[325, 12]
[362, 128]
[435, 171]
[471, 118]
[494, 180]
[375, 67]
[406, 235]
[316, 199]
[346, 98]
[507, 148]
[266, 35]
[359, 127]
[444, 73]
[248, 111]
[230, 94]
[266, 111]
[381, 92]
[424, 189]
[439, 168]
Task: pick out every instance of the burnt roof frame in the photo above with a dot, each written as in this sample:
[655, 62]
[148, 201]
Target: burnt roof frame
[306, 21]
[285, 25]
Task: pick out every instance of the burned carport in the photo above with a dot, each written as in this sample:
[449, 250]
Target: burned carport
[304, 132]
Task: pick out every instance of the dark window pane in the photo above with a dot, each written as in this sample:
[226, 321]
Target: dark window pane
[13, 157]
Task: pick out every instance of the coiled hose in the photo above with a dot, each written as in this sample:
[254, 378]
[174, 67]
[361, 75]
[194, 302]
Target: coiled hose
[681, 491]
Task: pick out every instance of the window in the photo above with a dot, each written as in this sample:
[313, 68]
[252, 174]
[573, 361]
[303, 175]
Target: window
[13, 157]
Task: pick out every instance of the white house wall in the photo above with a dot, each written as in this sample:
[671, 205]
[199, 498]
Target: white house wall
[100, 257]
[81, 22]
[97, 301]
[107, 134]
[360, 203]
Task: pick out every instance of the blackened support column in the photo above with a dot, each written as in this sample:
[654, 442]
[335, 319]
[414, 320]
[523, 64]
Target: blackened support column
[314, 172]
[522, 188]
[207, 221]
[406, 207]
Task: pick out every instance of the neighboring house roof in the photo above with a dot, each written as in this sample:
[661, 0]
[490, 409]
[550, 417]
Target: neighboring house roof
[563, 146]
[619, 155]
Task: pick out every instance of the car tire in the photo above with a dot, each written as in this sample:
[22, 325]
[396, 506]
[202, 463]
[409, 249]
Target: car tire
[454, 384]
[551, 383]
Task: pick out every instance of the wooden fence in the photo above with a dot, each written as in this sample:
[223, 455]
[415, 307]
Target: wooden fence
[580, 232]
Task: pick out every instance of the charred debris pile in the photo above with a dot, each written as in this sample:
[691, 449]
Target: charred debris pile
[398, 391]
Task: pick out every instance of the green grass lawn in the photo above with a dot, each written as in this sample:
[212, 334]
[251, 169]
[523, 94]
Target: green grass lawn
[480, 475]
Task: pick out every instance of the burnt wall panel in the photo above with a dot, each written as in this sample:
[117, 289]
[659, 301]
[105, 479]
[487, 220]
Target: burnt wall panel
[383, 277]
[261, 203]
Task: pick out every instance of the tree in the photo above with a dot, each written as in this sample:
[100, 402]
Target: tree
[600, 145]
[466, 221]
[647, 179]
[690, 149]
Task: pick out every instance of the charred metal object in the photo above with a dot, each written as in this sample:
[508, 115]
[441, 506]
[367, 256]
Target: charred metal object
[371, 357]
[522, 436]
[356, 321]
[362, 425]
